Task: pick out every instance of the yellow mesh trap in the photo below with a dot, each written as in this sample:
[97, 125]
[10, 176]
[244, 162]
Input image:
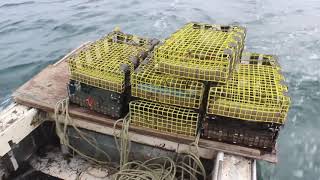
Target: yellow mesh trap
[120, 37]
[105, 62]
[260, 59]
[254, 93]
[164, 118]
[201, 51]
[148, 84]
[267, 66]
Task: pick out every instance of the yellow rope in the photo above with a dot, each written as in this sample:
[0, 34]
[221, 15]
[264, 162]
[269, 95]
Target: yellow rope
[188, 165]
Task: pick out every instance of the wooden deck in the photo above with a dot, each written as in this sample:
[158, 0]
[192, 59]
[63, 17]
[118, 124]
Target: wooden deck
[49, 86]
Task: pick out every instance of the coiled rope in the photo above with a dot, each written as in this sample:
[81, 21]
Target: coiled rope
[186, 166]
[62, 120]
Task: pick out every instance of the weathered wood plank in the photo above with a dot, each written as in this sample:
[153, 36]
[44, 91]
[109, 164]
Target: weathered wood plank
[45, 89]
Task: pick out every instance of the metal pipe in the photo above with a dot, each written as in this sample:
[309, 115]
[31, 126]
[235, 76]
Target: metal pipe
[254, 170]
[218, 166]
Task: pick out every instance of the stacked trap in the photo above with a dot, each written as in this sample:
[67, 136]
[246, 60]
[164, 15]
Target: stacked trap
[173, 78]
[100, 73]
[251, 106]
[197, 79]
[148, 84]
[201, 52]
[170, 104]
[164, 118]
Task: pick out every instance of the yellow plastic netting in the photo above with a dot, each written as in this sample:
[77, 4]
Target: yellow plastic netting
[164, 118]
[254, 93]
[201, 51]
[120, 37]
[261, 59]
[148, 84]
[105, 62]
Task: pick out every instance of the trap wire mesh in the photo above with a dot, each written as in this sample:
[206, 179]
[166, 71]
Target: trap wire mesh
[201, 51]
[148, 84]
[164, 118]
[120, 37]
[106, 62]
[262, 65]
[100, 100]
[260, 59]
[243, 133]
[254, 93]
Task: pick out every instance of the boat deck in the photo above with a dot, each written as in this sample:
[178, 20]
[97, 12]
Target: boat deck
[45, 89]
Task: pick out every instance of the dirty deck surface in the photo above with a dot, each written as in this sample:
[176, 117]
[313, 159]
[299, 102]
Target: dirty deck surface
[56, 164]
[45, 89]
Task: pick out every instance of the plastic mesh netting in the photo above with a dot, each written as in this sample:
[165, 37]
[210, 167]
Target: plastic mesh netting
[244, 133]
[148, 84]
[254, 93]
[261, 59]
[201, 51]
[106, 62]
[164, 118]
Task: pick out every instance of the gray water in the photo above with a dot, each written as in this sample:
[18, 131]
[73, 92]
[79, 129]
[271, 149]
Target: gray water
[36, 33]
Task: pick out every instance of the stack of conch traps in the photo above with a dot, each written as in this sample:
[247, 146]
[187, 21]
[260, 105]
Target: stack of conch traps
[105, 63]
[254, 93]
[201, 52]
[148, 84]
[251, 107]
[164, 118]
[100, 72]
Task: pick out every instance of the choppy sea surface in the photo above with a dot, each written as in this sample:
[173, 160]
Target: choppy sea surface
[36, 33]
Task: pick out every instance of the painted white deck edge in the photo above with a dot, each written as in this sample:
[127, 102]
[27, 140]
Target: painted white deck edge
[15, 125]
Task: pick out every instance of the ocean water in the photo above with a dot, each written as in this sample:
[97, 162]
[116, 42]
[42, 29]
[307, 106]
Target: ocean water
[36, 33]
